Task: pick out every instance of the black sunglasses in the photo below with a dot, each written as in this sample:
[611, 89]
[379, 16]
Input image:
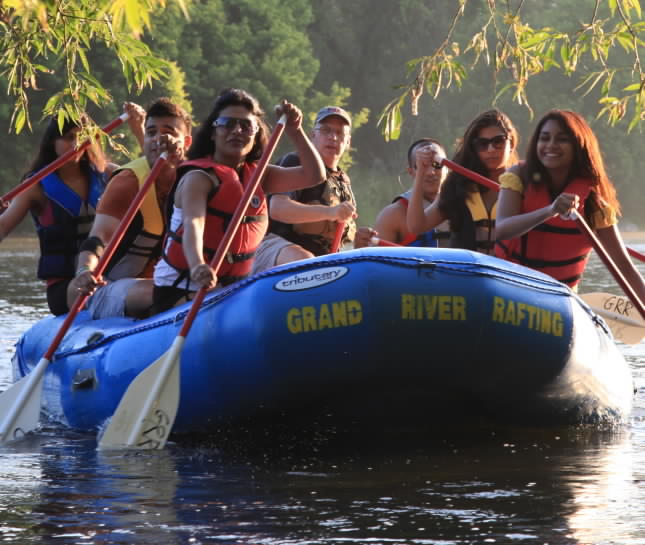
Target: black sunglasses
[498, 142]
[248, 126]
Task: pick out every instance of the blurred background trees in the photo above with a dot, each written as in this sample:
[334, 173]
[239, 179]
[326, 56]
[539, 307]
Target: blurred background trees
[353, 53]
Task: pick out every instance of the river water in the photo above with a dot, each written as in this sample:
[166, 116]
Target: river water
[317, 486]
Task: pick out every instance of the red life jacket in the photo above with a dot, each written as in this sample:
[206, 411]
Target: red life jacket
[429, 239]
[556, 247]
[220, 207]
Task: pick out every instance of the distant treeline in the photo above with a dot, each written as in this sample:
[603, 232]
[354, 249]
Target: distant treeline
[318, 52]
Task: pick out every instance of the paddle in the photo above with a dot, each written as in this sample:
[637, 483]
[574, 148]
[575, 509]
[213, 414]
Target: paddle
[59, 162]
[620, 315]
[338, 236]
[609, 262]
[147, 410]
[20, 403]
[636, 254]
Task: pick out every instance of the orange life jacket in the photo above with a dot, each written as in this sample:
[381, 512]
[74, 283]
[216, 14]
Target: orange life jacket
[555, 247]
[220, 207]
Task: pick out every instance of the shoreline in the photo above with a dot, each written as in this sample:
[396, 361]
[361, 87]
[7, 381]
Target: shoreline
[26, 242]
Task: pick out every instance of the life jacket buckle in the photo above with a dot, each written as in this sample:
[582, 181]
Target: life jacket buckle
[230, 258]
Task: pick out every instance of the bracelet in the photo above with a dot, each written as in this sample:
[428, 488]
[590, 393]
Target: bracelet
[82, 269]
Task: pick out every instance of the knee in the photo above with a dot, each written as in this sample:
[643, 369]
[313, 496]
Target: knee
[292, 253]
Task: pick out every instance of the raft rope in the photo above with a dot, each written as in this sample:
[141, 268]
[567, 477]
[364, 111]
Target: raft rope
[545, 285]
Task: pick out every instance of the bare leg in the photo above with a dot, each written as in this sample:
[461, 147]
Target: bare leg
[139, 298]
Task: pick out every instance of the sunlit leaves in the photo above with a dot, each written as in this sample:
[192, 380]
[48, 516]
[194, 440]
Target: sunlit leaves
[36, 36]
[606, 47]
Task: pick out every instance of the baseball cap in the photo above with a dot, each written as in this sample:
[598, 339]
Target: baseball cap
[333, 110]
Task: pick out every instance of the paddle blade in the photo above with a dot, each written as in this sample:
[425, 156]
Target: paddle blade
[620, 315]
[20, 405]
[147, 411]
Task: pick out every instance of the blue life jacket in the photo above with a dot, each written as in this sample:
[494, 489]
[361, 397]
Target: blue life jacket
[64, 224]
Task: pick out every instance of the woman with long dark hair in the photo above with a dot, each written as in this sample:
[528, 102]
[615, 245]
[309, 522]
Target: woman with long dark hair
[62, 206]
[563, 171]
[488, 147]
[221, 161]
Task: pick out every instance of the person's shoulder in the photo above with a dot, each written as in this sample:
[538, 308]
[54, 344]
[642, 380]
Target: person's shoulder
[391, 212]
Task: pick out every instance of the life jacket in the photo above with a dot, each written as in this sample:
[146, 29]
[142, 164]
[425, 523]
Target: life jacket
[64, 224]
[555, 247]
[429, 239]
[141, 244]
[317, 236]
[476, 232]
[221, 205]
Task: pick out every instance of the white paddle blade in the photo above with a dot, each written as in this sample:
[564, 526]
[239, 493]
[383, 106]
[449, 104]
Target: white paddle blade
[620, 314]
[20, 405]
[147, 411]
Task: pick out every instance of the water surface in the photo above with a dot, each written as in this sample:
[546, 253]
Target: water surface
[319, 485]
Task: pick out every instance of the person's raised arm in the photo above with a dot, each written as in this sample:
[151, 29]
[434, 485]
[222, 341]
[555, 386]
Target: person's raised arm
[136, 120]
[283, 208]
[311, 170]
[418, 219]
[510, 223]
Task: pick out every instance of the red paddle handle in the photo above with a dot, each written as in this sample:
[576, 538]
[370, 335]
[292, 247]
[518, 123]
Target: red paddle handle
[474, 176]
[231, 230]
[59, 162]
[108, 253]
[338, 235]
[637, 255]
[609, 263]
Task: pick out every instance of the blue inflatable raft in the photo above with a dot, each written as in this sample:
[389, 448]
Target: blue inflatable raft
[411, 334]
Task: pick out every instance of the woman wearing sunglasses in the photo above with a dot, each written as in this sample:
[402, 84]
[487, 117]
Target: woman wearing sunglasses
[221, 160]
[563, 171]
[488, 148]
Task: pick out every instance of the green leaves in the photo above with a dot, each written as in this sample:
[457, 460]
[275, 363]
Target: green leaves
[603, 49]
[37, 36]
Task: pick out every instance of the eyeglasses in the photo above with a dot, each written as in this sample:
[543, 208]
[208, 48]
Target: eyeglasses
[248, 126]
[328, 132]
[498, 142]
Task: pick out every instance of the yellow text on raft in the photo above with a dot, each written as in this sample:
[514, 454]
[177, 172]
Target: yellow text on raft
[519, 314]
[433, 307]
[325, 316]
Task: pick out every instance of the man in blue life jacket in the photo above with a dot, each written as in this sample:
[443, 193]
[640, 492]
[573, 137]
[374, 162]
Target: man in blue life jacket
[391, 225]
[303, 223]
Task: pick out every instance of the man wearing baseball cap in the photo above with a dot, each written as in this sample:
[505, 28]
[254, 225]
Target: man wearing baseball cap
[303, 223]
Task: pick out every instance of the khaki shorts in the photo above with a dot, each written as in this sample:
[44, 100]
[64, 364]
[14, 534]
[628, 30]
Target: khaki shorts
[268, 251]
[109, 300]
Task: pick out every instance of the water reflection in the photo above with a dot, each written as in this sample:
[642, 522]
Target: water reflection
[317, 484]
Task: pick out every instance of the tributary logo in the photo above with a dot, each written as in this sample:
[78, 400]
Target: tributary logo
[307, 280]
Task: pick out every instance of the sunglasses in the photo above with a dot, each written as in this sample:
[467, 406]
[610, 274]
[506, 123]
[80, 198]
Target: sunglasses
[248, 126]
[498, 142]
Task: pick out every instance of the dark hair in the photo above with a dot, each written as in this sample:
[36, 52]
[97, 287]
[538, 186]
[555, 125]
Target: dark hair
[164, 107]
[455, 190]
[417, 144]
[92, 156]
[203, 144]
[587, 161]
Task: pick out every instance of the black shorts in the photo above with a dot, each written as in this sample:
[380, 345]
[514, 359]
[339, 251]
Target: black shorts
[167, 297]
[57, 297]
